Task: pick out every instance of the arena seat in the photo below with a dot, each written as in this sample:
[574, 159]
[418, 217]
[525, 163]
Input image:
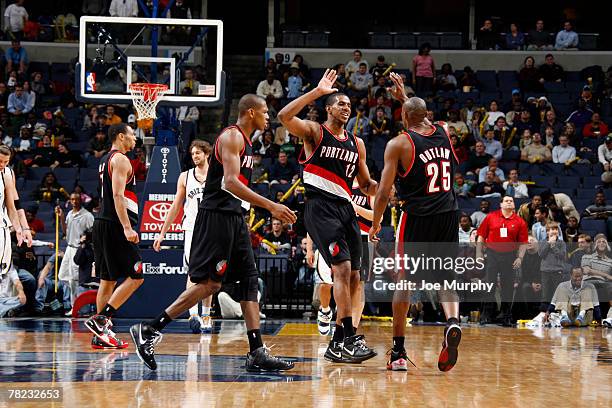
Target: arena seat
[37, 173]
[586, 193]
[88, 174]
[568, 182]
[581, 170]
[591, 181]
[598, 226]
[544, 181]
[405, 40]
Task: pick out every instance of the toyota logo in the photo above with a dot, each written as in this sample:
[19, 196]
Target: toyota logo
[159, 211]
[165, 150]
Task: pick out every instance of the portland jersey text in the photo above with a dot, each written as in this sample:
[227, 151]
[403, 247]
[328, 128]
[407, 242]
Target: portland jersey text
[216, 196]
[426, 187]
[107, 204]
[362, 200]
[332, 166]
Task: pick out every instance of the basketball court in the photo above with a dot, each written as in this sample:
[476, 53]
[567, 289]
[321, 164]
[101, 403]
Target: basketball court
[497, 367]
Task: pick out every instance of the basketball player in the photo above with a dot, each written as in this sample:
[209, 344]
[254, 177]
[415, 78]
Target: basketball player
[332, 158]
[189, 191]
[221, 249]
[9, 177]
[424, 162]
[114, 239]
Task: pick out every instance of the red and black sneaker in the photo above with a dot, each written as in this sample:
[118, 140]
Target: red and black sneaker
[100, 326]
[97, 344]
[449, 354]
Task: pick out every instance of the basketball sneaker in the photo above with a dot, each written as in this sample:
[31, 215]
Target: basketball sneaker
[355, 350]
[607, 322]
[449, 354]
[398, 360]
[97, 344]
[206, 324]
[334, 352]
[324, 321]
[195, 324]
[565, 321]
[145, 339]
[100, 326]
[260, 360]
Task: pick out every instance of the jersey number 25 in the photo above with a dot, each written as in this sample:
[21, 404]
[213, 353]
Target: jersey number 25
[435, 172]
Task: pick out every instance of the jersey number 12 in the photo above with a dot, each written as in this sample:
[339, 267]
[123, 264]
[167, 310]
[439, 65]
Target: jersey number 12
[435, 172]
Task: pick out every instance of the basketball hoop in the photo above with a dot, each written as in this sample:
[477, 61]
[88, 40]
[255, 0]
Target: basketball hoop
[146, 97]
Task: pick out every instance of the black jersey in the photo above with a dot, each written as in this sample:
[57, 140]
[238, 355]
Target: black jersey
[108, 211]
[331, 168]
[216, 197]
[362, 200]
[426, 186]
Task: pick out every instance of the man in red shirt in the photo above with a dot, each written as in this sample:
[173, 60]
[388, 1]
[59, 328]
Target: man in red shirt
[139, 164]
[505, 236]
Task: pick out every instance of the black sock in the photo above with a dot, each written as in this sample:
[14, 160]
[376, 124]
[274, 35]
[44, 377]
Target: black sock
[398, 343]
[347, 324]
[452, 320]
[354, 329]
[255, 341]
[338, 334]
[160, 321]
[108, 311]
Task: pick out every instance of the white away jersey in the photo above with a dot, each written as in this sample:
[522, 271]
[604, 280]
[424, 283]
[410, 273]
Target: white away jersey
[194, 189]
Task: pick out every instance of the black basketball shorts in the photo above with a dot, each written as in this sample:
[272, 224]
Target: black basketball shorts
[332, 225]
[221, 250]
[114, 255]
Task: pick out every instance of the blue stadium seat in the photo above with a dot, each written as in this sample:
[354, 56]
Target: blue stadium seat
[569, 191]
[544, 181]
[555, 87]
[276, 187]
[66, 173]
[573, 76]
[487, 97]
[262, 189]
[507, 80]
[88, 174]
[520, 201]
[581, 203]
[608, 193]
[432, 38]
[528, 169]
[380, 40]
[405, 40]
[591, 181]
[317, 39]
[569, 182]
[506, 166]
[293, 38]
[591, 143]
[558, 98]
[599, 226]
[586, 193]
[451, 41]
[464, 96]
[511, 155]
[552, 169]
[90, 186]
[37, 173]
[537, 190]
[597, 169]
[581, 170]
[563, 110]
[487, 80]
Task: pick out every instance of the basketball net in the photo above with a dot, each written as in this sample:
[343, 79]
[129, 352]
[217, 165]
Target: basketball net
[145, 98]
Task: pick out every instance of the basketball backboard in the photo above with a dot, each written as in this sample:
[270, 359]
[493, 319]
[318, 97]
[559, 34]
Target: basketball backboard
[117, 51]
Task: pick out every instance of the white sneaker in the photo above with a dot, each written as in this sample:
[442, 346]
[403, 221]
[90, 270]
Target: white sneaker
[554, 319]
[607, 322]
[324, 321]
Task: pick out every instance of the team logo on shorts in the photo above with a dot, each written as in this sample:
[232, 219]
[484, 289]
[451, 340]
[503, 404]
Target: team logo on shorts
[334, 249]
[221, 267]
[138, 267]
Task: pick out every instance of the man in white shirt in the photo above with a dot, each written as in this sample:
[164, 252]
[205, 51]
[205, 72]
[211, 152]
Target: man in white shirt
[466, 230]
[492, 146]
[499, 173]
[566, 38]
[514, 187]
[604, 153]
[353, 65]
[270, 88]
[15, 17]
[563, 153]
[123, 8]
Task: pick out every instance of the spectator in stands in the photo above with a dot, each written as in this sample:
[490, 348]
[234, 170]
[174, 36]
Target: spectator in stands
[597, 268]
[94, 7]
[259, 173]
[487, 38]
[111, 117]
[514, 187]
[423, 71]
[531, 277]
[341, 80]
[527, 210]
[302, 67]
[99, 145]
[575, 300]
[9, 284]
[552, 121]
[67, 158]
[468, 81]
[600, 210]
[604, 153]
[479, 158]
[446, 80]
[467, 111]
[539, 39]
[278, 237]
[584, 248]
[24, 143]
[581, 116]
[295, 82]
[488, 188]
[569, 130]
[381, 125]
[45, 155]
[85, 198]
[462, 152]
[492, 166]
[492, 146]
[380, 89]
[550, 71]
[17, 59]
[524, 122]
[478, 216]
[466, 231]
[515, 39]
[572, 230]
[542, 219]
[459, 125]
[50, 189]
[282, 170]
[587, 95]
[516, 99]
[596, 128]
[189, 82]
[266, 146]
[35, 224]
[270, 89]
[529, 76]
[563, 153]
[379, 68]
[507, 135]
[493, 114]
[282, 69]
[139, 164]
[460, 186]
[536, 152]
[553, 252]
[123, 8]
[353, 65]
[566, 38]
[19, 104]
[179, 34]
[270, 68]
[381, 102]
[15, 17]
[359, 124]
[560, 205]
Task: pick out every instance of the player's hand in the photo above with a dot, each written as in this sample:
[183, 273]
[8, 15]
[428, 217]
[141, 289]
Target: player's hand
[157, 243]
[27, 237]
[397, 90]
[517, 263]
[58, 210]
[326, 84]
[374, 229]
[283, 213]
[130, 235]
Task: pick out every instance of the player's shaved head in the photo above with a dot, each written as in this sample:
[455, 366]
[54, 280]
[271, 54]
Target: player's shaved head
[250, 101]
[414, 111]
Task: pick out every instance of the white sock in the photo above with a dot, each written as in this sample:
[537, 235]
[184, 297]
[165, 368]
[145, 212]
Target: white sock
[581, 314]
[326, 309]
[205, 311]
[193, 310]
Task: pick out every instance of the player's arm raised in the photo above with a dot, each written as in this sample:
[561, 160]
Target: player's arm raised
[366, 184]
[179, 199]
[121, 168]
[307, 129]
[397, 90]
[230, 145]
